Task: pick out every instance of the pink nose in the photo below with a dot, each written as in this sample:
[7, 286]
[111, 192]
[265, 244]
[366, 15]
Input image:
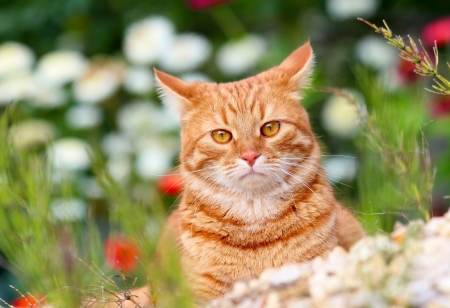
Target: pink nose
[250, 156]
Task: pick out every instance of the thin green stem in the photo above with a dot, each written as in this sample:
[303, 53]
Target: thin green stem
[228, 22]
[422, 61]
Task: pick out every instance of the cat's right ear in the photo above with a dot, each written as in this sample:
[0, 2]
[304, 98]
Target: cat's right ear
[299, 65]
[174, 92]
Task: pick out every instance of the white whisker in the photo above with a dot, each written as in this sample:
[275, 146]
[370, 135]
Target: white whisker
[302, 158]
[300, 181]
[319, 173]
[179, 173]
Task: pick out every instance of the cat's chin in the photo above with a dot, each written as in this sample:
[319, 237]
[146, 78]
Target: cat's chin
[254, 180]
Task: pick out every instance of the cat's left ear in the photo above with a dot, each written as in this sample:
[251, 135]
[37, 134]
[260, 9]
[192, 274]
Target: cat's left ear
[174, 92]
[299, 66]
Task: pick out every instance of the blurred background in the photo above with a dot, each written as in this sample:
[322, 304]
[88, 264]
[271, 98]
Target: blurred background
[80, 75]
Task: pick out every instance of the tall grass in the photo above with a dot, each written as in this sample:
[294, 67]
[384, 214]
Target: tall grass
[63, 261]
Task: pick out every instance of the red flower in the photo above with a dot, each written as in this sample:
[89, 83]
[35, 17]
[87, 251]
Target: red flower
[121, 254]
[440, 107]
[405, 71]
[170, 184]
[27, 302]
[439, 31]
[204, 4]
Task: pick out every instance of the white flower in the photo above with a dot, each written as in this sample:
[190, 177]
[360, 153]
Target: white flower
[345, 9]
[170, 120]
[147, 39]
[341, 168]
[119, 168]
[48, 97]
[99, 82]
[144, 117]
[116, 145]
[391, 79]
[68, 209]
[60, 67]
[69, 154]
[195, 76]
[186, 52]
[340, 117]
[237, 57]
[18, 87]
[32, 132]
[14, 58]
[135, 118]
[138, 80]
[169, 143]
[90, 188]
[82, 117]
[153, 161]
[373, 51]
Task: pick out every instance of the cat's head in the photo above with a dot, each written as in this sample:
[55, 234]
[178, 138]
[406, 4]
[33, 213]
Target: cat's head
[246, 135]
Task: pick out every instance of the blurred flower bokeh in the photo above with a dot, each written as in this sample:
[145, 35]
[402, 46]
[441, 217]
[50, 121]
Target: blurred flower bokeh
[121, 254]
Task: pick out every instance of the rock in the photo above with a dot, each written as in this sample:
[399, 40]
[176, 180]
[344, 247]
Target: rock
[300, 303]
[286, 275]
[239, 290]
[443, 285]
[409, 268]
[272, 300]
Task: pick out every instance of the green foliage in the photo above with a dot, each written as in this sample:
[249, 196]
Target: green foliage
[63, 260]
[396, 177]
[39, 249]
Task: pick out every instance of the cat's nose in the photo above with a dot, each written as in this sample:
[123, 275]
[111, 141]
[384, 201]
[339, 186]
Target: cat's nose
[250, 156]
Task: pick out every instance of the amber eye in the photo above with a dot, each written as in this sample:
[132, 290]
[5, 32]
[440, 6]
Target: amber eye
[270, 129]
[221, 136]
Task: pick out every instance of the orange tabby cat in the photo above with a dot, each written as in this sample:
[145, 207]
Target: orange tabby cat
[255, 195]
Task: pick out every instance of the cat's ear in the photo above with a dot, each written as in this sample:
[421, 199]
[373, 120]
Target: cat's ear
[173, 91]
[299, 66]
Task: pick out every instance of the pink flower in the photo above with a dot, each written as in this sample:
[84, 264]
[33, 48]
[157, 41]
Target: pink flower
[439, 31]
[121, 254]
[440, 107]
[198, 5]
[405, 71]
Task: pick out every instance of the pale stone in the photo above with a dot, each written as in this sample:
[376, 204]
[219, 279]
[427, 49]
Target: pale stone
[316, 283]
[272, 300]
[338, 301]
[254, 284]
[447, 215]
[421, 292]
[267, 274]
[433, 225]
[444, 229]
[439, 302]
[377, 273]
[443, 285]
[332, 285]
[286, 275]
[239, 290]
[300, 303]
[246, 303]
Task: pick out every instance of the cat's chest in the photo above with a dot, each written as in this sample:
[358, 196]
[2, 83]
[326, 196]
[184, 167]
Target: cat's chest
[272, 242]
[230, 261]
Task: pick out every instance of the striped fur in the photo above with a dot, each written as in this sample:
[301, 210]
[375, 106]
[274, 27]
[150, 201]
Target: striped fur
[235, 220]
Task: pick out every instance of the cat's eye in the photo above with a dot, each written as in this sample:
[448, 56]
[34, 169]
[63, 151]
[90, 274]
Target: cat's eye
[221, 135]
[270, 129]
